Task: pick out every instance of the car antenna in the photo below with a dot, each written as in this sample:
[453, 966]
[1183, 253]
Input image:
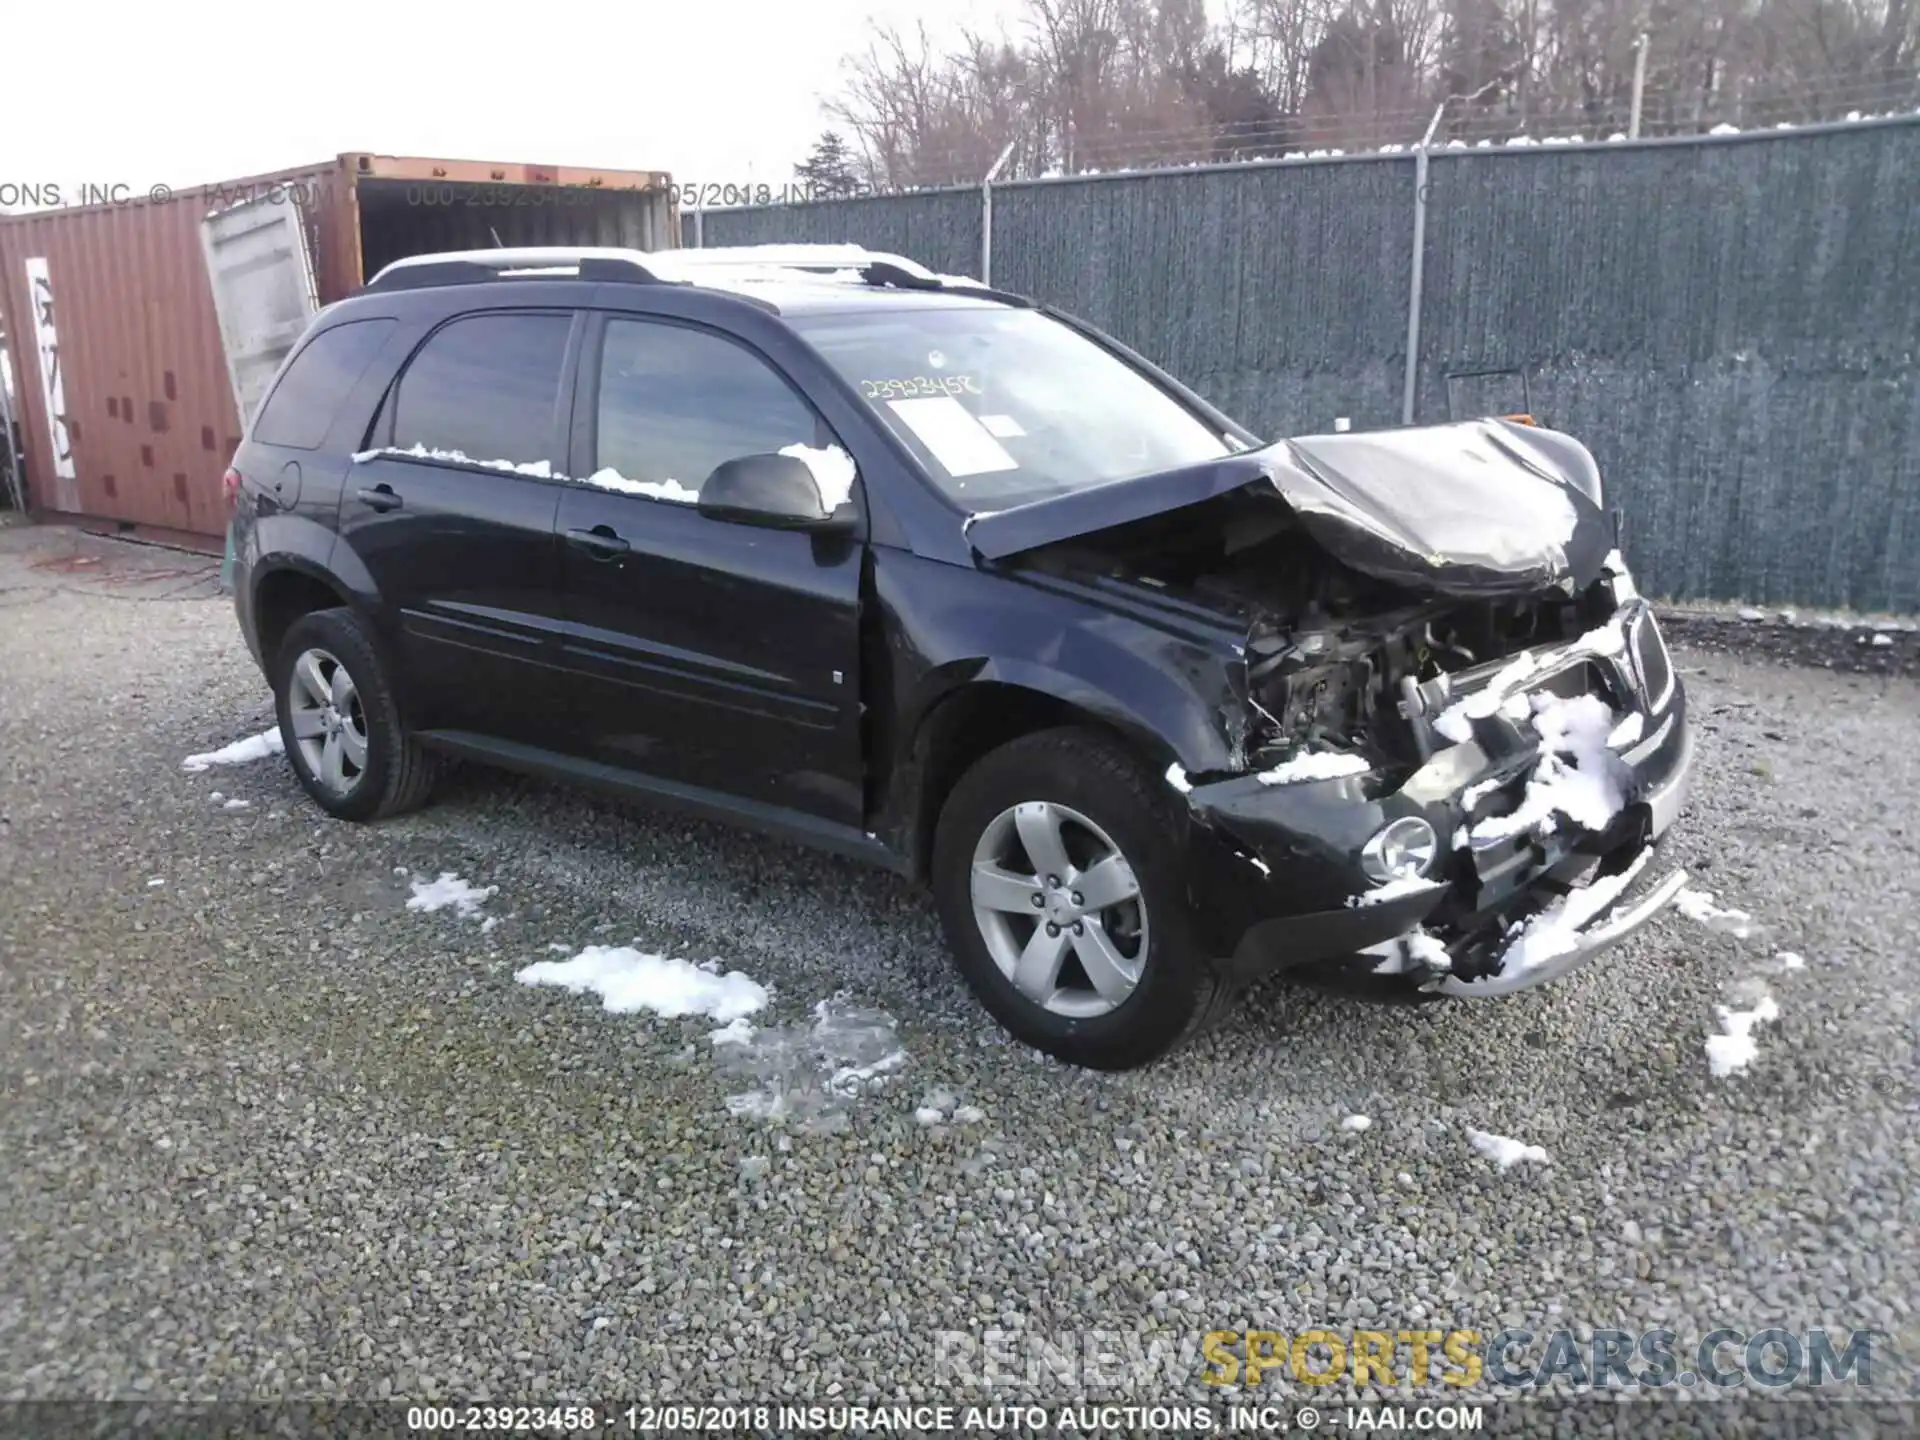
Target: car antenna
[498, 243]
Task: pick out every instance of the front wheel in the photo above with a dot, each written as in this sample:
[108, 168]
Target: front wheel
[1056, 870]
[340, 723]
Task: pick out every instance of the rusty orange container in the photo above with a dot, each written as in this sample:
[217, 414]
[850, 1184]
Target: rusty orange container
[139, 332]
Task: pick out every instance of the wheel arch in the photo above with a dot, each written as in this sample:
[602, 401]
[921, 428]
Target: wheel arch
[971, 719]
[284, 589]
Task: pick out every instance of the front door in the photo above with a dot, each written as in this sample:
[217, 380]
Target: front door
[698, 650]
[452, 513]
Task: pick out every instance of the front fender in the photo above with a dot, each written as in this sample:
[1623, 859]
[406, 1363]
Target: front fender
[1176, 694]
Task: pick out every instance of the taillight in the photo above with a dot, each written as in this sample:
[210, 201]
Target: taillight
[230, 489]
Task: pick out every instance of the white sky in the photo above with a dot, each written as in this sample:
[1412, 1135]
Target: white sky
[714, 91]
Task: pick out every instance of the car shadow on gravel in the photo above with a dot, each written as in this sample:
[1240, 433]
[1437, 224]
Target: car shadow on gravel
[814, 924]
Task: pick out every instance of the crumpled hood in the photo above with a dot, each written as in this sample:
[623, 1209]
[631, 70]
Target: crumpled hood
[1484, 507]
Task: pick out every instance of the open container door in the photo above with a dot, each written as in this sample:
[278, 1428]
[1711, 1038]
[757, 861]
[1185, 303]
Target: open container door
[260, 266]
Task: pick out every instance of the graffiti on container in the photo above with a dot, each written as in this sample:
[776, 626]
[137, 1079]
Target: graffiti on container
[52, 389]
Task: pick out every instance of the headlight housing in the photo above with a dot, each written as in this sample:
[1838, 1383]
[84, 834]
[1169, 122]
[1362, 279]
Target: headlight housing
[1402, 850]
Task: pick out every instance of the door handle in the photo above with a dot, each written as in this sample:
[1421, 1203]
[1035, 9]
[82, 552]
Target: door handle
[600, 542]
[381, 498]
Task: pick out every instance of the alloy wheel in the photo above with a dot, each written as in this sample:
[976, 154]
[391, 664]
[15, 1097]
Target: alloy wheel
[329, 723]
[1060, 909]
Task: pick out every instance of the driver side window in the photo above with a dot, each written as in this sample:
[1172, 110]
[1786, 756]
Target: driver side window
[676, 402]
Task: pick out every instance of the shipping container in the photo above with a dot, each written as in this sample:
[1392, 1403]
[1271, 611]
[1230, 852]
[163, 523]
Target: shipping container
[144, 328]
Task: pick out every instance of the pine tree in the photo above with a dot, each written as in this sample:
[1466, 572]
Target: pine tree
[828, 173]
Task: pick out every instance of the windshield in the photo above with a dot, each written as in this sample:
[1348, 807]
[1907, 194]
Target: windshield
[1004, 406]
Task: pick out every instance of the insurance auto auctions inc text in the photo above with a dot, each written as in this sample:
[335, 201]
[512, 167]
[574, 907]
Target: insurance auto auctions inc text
[1116, 1419]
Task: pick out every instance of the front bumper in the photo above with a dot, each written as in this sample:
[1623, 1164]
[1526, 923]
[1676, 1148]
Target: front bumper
[1492, 917]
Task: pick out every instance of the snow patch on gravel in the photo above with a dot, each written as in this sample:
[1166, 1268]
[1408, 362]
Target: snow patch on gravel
[1734, 1048]
[808, 1073]
[450, 890]
[1504, 1152]
[1699, 905]
[1356, 1122]
[737, 1031]
[941, 1105]
[629, 981]
[254, 747]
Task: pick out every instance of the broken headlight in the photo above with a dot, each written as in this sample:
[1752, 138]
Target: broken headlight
[1403, 850]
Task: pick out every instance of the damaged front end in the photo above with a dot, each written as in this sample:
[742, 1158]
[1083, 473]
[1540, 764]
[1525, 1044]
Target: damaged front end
[1491, 820]
[1454, 732]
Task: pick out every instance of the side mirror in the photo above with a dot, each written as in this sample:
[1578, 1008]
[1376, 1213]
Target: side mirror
[774, 490]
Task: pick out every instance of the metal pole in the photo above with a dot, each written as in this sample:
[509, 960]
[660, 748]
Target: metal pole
[1416, 274]
[699, 242]
[1639, 85]
[986, 213]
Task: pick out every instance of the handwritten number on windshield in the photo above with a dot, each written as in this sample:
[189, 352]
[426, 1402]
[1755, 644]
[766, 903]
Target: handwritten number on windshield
[916, 386]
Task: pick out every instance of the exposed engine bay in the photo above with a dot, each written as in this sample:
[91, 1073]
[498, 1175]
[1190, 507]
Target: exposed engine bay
[1335, 659]
[1438, 618]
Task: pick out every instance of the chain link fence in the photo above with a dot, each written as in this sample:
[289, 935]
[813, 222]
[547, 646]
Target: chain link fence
[1730, 323]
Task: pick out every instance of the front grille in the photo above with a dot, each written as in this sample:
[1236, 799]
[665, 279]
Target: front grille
[1651, 661]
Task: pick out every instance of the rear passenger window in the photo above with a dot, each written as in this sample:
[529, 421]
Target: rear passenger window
[675, 403]
[486, 388]
[302, 407]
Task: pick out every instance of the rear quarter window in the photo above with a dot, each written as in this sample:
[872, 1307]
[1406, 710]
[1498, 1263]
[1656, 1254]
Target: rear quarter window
[303, 405]
[485, 388]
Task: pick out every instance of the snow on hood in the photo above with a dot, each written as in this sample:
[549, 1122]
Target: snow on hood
[1484, 507]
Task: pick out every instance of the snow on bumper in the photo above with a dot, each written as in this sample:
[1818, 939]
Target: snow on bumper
[1554, 802]
[1610, 907]
[1567, 935]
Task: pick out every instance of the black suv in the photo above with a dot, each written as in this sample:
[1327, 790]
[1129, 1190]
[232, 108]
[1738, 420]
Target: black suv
[812, 540]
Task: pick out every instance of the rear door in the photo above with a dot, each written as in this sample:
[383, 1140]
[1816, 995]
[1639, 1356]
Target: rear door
[704, 651]
[451, 511]
[261, 271]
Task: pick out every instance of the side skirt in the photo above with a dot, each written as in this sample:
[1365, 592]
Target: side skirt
[775, 820]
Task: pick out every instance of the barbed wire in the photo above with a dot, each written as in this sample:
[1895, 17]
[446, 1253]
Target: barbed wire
[1326, 135]
[1664, 113]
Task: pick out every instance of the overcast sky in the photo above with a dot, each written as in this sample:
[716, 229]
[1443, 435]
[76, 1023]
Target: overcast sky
[715, 91]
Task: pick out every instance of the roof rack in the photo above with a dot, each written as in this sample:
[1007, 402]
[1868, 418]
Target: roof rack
[723, 267]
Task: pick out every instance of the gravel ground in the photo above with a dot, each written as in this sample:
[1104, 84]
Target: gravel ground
[267, 1132]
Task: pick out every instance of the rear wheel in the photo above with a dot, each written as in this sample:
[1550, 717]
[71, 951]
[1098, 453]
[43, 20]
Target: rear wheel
[1057, 876]
[340, 724]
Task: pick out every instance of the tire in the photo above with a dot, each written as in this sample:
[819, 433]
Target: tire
[396, 774]
[1074, 775]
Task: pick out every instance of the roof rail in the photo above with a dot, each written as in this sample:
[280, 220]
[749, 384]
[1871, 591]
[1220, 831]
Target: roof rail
[459, 267]
[722, 267]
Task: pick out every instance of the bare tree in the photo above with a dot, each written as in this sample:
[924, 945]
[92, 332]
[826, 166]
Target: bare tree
[1107, 84]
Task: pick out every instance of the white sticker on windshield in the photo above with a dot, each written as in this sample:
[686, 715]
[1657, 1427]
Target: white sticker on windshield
[959, 442]
[1005, 426]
